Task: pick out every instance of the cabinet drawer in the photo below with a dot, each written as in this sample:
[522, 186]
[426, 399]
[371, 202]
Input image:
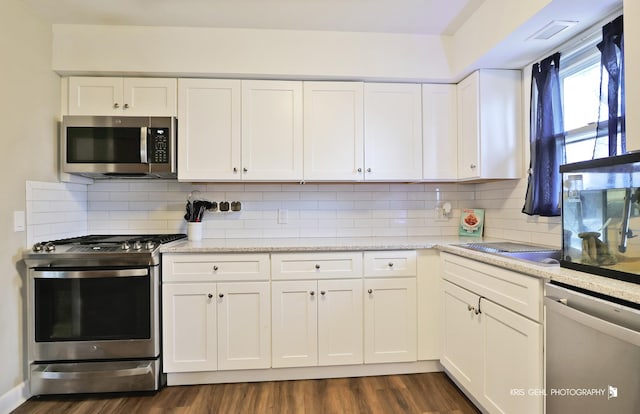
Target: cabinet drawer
[316, 265]
[214, 267]
[390, 263]
[513, 290]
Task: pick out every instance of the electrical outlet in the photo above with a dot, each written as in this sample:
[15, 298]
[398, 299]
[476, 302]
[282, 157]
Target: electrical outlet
[283, 216]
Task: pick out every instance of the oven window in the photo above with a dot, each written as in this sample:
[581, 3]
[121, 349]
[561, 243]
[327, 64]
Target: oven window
[92, 309]
[103, 145]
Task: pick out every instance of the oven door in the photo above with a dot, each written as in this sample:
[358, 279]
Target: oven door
[93, 314]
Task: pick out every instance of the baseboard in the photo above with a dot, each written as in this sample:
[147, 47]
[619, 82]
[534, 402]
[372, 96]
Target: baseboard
[13, 398]
[282, 374]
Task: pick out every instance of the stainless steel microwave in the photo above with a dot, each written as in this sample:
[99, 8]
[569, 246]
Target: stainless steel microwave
[119, 146]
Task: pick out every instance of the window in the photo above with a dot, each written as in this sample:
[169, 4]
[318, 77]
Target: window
[580, 72]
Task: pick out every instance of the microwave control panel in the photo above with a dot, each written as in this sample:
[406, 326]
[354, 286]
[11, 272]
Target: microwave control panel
[158, 145]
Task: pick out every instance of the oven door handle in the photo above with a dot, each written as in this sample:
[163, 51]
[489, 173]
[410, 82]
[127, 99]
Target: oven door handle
[85, 274]
[49, 372]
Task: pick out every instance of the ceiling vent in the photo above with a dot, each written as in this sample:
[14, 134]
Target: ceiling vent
[552, 29]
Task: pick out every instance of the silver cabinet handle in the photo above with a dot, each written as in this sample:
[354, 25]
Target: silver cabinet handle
[215, 268]
[390, 264]
[221, 295]
[126, 106]
[359, 169]
[370, 291]
[317, 267]
[322, 292]
[116, 105]
[471, 308]
[473, 166]
[209, 295]
[245, 170]
[312, 293]
[235, 170]
[368, 170]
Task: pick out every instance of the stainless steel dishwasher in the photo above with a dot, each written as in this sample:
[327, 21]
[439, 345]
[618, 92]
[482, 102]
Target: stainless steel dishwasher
[592, 353]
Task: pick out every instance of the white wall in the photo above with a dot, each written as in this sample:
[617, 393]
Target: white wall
[248, 53]
[29, 105]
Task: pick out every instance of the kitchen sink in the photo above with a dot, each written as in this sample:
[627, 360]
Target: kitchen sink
[538, 255]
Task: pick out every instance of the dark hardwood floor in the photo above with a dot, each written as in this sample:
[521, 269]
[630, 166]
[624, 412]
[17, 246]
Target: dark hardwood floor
[416, 393]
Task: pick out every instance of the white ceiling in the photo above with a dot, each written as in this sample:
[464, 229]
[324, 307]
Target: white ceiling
[434, 17]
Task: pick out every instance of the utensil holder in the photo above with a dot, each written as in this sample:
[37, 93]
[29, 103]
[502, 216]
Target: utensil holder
[194, 231]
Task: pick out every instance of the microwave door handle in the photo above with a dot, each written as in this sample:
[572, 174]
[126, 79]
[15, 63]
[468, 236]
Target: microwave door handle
[143, 145]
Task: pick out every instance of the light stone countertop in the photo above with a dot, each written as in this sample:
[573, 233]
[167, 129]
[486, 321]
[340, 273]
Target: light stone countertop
[612, 287]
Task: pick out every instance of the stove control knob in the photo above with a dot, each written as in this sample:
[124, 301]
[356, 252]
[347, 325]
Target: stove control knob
[125, 245]
[137, 245]
[49, 247]
[150, 245]
[37, 247]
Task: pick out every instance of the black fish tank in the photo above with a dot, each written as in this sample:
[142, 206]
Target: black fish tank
[601, 217]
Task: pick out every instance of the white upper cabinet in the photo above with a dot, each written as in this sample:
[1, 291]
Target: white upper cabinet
[209, 129]
[439, 132]
[122, 96]
[392, 131]
[490, 125]
[271, 130]
[333, 131]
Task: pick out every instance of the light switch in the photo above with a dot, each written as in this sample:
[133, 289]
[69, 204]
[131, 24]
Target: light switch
[18, 221]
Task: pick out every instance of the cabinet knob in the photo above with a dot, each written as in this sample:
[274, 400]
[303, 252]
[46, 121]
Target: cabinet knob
[215, 268]
[317, 267]
[370, 291]
[473, 166]
[312, 293]
[245, 170]
[221, 295]
[368, 170]
[116, 105]
[359, 169]
[322, 292]
[126, 106]
[209, 295]
[390, 264]
[235, 170]
[471, 308]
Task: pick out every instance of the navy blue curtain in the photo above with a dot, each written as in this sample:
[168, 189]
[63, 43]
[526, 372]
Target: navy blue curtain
[547, 140]
[611, 118]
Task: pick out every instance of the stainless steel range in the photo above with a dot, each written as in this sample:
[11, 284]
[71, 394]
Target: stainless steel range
[94, 314]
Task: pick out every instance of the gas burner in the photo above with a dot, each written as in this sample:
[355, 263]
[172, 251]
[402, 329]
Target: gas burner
[138, 243]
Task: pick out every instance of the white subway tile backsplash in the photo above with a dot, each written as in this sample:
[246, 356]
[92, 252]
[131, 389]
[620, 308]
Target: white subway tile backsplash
[313, 210]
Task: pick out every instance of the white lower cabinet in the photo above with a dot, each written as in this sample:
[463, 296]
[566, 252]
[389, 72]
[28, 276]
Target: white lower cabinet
[390, 320]
[491, 351]
[216, 325]
[189, 325]
[316, 322]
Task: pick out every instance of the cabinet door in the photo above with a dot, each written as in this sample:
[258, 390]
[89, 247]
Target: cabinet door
[390, 324]
[469, 127]
[392, 131]
[439, 132]
[512, 360]
[294, 323]
[271, 130]
[333, 131]
[150, 97]
[95, 96]
[340, 322]
[209, 129]
[462, 337]
[189, 328]
[244, 325]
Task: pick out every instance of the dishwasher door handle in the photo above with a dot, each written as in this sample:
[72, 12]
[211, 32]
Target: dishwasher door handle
[606, 327]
